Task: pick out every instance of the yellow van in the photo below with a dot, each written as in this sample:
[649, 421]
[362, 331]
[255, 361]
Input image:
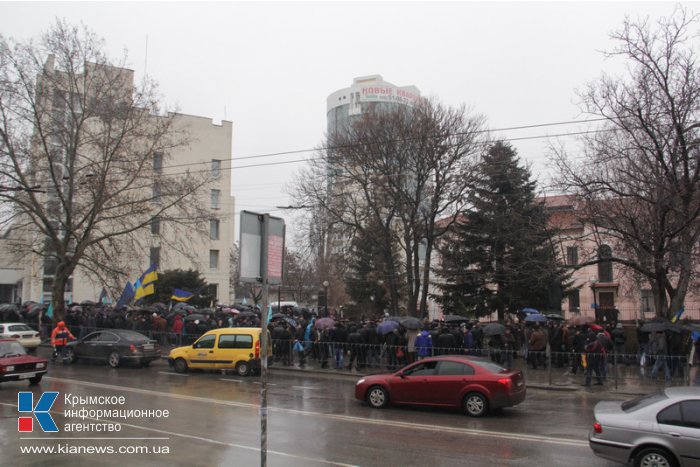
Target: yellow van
[222, 349]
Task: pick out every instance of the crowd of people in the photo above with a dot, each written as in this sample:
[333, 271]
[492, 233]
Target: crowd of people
[367, 344]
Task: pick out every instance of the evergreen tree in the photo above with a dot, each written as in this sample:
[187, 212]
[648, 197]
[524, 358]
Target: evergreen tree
[501, 255]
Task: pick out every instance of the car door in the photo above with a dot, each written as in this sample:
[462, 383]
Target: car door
[108, 343]
[680, 426]
[201, 353]
[413, 385]
[89, 346]
[451, 377]
[232, 348]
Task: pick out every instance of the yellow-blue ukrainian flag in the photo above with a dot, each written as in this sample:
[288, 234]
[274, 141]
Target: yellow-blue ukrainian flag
[144, 285]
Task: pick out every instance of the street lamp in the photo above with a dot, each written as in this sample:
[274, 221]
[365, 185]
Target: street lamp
[325, 292]
[593, 281]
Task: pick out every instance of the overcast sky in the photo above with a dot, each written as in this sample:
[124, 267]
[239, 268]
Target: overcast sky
[269, 67]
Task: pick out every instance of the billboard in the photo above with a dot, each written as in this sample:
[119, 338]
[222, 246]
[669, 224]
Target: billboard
[258, 239]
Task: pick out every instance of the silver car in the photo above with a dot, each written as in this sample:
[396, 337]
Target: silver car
[661, 429]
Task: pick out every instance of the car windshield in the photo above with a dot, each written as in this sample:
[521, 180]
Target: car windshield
[643, 401]
[11, 348]
[486, 365]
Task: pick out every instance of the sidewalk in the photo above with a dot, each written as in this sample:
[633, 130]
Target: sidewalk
[629, 380]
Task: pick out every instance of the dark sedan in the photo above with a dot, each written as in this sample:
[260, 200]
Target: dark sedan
[16, 365]
[114, 346]
[473, 384]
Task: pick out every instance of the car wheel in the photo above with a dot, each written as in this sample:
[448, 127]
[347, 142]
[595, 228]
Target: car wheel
[35, 380]
[657, 457]
[180, 365]
[145, 363]
[377, 397]
[475, 404]
[242, 368]
[114, 359]
[69, 356]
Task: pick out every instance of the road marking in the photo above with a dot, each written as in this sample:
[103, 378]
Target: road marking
[303, 387]
[230, 380]
[345, 418]
[171, 374]
[269, 384]
[197, 438]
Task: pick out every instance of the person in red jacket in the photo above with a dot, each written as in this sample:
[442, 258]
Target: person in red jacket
[59, 338]
[178, 325]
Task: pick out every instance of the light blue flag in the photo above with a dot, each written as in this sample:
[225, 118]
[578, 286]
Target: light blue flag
[244, 302]
[269, 313]
[49, 311]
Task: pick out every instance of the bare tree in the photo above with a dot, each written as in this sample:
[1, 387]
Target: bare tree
[387, 179]
[84, 150]
[640, 179]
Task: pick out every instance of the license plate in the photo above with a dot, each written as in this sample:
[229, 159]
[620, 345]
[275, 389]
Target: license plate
[148, 347]
[27, 375]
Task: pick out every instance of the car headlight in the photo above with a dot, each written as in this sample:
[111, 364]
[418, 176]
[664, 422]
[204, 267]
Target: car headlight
[40, 365]
[360, 382]
[10, 368]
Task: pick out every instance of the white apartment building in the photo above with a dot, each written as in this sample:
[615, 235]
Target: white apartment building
[208, 149]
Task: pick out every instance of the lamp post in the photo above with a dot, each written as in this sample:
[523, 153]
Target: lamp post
[325, 292]
[593, 281]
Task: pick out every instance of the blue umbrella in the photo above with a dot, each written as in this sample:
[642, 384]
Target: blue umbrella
[529, 311]
[385, 327]
[535, 318]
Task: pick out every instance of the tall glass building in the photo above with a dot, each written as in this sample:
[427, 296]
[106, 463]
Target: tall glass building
[367, 93]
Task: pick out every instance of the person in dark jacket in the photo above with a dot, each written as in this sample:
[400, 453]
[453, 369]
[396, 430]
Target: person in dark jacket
[578, 347]
[424, 345]
[619, 339]
[594, 356]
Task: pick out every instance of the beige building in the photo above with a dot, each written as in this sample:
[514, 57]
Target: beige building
[205, 248]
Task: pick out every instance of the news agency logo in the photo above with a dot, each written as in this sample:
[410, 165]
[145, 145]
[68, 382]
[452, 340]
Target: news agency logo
[25, 403]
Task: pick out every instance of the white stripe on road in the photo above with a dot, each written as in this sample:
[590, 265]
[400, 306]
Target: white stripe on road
[346, 418]
[171, 374]
[230, 380]
[268, 384]
[303, 387]
[183, 435]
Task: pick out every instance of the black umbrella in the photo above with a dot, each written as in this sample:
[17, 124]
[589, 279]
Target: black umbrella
[247, 314]
[277, 316]
[555, 317]
[8, 307]
[494, 329]
[410, 322]
[88, 303]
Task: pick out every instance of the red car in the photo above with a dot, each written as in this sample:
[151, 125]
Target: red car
[15, 364]
[473, 384]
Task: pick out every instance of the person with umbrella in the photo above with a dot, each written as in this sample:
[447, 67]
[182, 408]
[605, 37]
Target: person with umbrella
[537, 346]
[178, 327]
[424, 345]
[507, 347]
[594, 355]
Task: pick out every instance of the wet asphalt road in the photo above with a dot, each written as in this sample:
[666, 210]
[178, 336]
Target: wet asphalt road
[313, 420]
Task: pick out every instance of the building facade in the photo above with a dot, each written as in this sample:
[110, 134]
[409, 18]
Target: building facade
[206, 248]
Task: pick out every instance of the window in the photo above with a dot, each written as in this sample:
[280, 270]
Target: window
[155, 255]
[215, 198]
[605, 269]
[236, 341]
[447, 368]
[422, 369]
[215, 168]
[648, 305]
[670, 416]
[572, 255]
[574, 301]
[156, 192]
[214, 229]
[227, 341]
[206, 342]
[155, 226]
[213, 291]
[691, 413]
[213, 259]
[158, 162]
[50, 265]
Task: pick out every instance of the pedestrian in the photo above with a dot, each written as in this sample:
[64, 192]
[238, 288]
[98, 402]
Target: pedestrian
[424, 345]
[619, 338]
[59, 338]
[659, 349]
[594, 355]
[537, 346]
[177, 329]
[507, 346]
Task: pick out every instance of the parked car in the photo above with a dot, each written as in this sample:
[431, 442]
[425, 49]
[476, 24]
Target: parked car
[221, 349]
[661, 429]
[114, 346]
[473, 384]
[16, 364]
[25, 335]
